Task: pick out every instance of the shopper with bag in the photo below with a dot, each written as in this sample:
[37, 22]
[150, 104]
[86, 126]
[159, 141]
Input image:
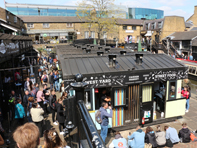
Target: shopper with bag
[184, 134]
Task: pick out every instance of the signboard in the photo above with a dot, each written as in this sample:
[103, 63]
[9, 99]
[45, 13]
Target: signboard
[129, 31]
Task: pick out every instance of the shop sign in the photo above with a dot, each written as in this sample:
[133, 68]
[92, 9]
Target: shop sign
[129, 31]
[78, 32]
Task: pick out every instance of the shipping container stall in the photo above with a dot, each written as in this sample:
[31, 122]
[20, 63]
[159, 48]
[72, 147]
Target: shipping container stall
[140, 86]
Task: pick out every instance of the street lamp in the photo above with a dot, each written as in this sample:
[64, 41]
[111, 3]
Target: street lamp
[70, 126]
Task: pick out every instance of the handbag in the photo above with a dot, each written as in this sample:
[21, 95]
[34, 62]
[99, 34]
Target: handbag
[169, 143]
[148, 145]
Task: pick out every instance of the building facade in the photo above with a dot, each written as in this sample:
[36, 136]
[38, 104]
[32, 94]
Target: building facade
[193, 18]
[10, 23]
[146, 13]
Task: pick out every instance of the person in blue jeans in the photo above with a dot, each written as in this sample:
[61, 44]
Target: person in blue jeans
[105, 121]
[56, 81]
[136, 140]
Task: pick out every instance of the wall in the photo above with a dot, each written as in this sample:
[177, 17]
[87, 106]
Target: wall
[2, 14]
[193, 18]
[39, 26]
[172, 24]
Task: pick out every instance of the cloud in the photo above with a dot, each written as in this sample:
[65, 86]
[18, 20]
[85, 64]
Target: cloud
[134, 3]
[173, 2]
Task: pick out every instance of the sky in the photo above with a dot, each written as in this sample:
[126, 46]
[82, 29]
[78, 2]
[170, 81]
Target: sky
[183, 8]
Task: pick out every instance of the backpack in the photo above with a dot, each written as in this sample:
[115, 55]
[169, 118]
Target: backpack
[98, 117]
[45, 78]
[186, 137]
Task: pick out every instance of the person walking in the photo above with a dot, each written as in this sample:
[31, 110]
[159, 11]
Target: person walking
[37, 116]
[52, 105]
[51, 80]
[60, 115]
[19, 112]
[136, 140]
[40, 97]
[105, 121]
[26, 85]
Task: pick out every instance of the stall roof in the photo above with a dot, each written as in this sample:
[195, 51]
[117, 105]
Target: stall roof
[179, 36]
[99, 65]
[4, 36]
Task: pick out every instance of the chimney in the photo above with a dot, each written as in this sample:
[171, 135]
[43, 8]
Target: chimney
[107, 49]
[88, 50]
[78, 46]
[195, 9]
[83, 48]
[139, 58]
[88, 45]
[100, 53]
[100, 47]
[112, 60]
[123, 52]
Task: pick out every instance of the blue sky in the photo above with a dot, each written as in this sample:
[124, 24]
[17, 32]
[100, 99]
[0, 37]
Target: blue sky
[183, 8]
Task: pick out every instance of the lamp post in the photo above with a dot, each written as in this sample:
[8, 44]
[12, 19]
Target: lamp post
[70, 126]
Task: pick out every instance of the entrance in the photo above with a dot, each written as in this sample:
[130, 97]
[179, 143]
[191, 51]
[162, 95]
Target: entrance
[146, 102]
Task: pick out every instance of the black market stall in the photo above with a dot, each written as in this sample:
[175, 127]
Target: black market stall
[133, 82]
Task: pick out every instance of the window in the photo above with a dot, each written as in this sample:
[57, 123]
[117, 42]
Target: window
[133, 27]
[69, 24]
[153, 26]
[147, 93]
[45, 25]
[92, 34]
[160, 25]
[172, 90]
[104, 35]
[146, 26]
[7, 16]
[86, 34]
[15, 19]
[124, 27]
[87, 100]
[30, 25]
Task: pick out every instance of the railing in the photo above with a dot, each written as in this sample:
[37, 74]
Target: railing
[87, 129]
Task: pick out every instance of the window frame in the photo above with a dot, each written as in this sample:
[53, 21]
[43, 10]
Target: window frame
[124, 28]
[134, 27]
[15, 19]
[85, 34]
[69, 24]
[46, 26]
[170, 98]
[31, 26]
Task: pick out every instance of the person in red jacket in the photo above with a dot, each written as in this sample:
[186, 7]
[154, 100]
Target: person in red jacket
[185, 93]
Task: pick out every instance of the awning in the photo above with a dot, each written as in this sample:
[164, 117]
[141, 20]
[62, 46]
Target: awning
[9, 27]
[149, 33]
[55, 34]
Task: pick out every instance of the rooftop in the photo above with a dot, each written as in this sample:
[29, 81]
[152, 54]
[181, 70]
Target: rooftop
[186, 35]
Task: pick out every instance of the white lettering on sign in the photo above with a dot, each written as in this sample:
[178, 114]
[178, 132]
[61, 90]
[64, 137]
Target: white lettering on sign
[133, 78]
[104, 81]
[146, 119]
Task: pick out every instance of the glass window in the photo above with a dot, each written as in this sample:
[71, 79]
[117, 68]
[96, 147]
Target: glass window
[160, 25]
[133, 27]
[92, 34]
[33, 11]
[87, 100]
[86, 34]
[45, 25]
[30, 25]
[15, 19]
[153, 26]
[146, 26]
[124, 27]
[172, 91]
[146, 93]
[23, 11]
[52, 12]
[12, 10]
[69, 24]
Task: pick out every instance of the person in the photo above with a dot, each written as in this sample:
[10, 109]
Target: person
[37, 116]
[65, 95]
[150, 137]
[105, 121]
[60, 115]
[1, 128]
[185, 94]
[27, 136]
[52, 140]
[136, 140]
[17, 76]
[56, 81]
[44, 78]
[105, 98]
[62, 88]
[191, 57]
[19, 112]
[160, 137]
[1, 141]
[51, 80]
[40, 97]
[46, 93]
[46, 68]
[29, 106]
[11, 104]
[36, 87]
[119, 141]
[50, 61]
[52, 102]
[25, 100]
[26, 85]
[32, 90]
[184, 133]
[171, 134]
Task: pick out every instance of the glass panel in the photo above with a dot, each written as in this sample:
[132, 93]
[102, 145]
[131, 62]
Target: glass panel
[13, 10]
[172, 93]
[119, 97]
[33, 11]
[87, 100]
[147, 93]
[23, 11]
[86, 34]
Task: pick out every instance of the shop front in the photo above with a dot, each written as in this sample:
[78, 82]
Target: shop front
[139, 92]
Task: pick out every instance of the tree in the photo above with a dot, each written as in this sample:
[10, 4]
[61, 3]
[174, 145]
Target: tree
[99, 16]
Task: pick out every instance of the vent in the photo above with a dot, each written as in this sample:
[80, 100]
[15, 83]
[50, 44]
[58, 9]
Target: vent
[78, 46]
[91, 46]
[83, 48]
[88, 50]
[123, 52]
[139, 58]
[100, 53]
[107, 49]
[112, 60]
[100, 47]
[88, 45]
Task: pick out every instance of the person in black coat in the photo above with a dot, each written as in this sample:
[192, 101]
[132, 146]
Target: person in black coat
[184, 134]
[51, 80]
[150, 137]
[52, 104]
[60, 115]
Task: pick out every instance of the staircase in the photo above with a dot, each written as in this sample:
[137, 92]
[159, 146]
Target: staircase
[172, 49]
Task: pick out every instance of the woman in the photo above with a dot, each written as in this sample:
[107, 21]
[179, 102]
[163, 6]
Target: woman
[64, 95]
[40, 97]
[160, 137]
[150, 137]
[60, 115]
[44, 78]
[52, 140]
[19, 112]
[37, 116]
[185, 93]
[62, 88]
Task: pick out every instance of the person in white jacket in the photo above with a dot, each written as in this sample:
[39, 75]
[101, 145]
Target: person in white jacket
[160, 137]
[118, 142]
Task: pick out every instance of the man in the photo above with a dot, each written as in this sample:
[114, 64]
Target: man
[171, 134]
[52, 100]
[56, 81]
[11, 104]
[51, 80]
[26, 85]
[118, 142]
[27, 136]
[50, 61]
[105, 121]
[46, 96]
[25, 100]
[136, 140]
[184, 133]
[191, 57]
[105, 98]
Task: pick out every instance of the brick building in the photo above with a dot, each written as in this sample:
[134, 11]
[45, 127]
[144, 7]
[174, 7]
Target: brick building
[10, 23]
[193, 18]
